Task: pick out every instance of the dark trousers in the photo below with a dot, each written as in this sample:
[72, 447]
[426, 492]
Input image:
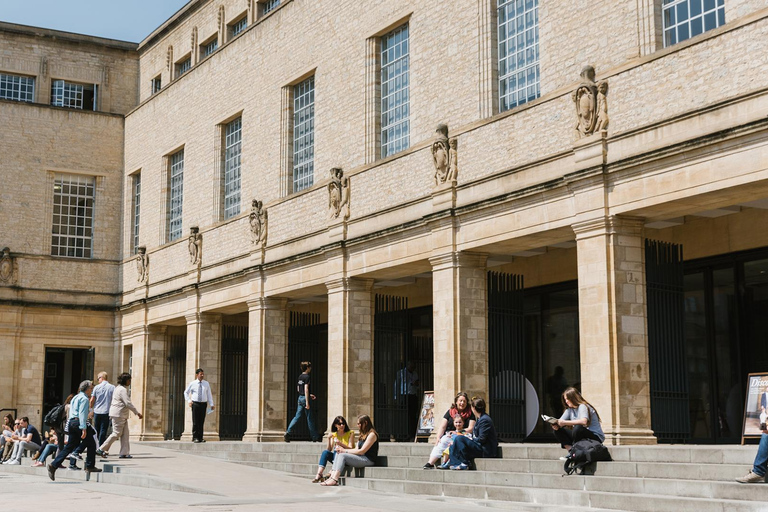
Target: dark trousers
[101, 424]
[73, 442]
[198, 419]
[566, 437]
[464, 450]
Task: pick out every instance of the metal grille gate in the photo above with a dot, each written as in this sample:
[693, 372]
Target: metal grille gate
[506, 355]
[234, 382]
[670, 419]
[389, 356]
[307, 341]
[175, 370]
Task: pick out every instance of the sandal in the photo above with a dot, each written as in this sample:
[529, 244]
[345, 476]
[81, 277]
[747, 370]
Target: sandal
[326, 484]
[318, 479]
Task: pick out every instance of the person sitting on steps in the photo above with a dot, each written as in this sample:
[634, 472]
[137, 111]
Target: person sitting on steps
[484, 444]
[461, 407]
[342, 436]
[757, 475]
[365, 455]
[581, 417]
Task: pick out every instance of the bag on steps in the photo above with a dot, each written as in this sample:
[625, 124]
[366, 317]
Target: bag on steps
[585, 452]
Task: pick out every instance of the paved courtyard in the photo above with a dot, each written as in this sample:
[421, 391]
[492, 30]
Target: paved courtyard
[221, 486]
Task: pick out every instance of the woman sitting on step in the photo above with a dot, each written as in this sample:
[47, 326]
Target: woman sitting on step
[484, 444]
[340, 436]
[579, 415]
[445, 430]
[364, 455]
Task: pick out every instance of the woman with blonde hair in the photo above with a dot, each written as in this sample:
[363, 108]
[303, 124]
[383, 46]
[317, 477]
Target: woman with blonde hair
[364, 455]
[581, 417]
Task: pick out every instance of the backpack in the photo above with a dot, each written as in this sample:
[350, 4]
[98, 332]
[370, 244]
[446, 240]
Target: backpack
[584, 452]
[55, 416]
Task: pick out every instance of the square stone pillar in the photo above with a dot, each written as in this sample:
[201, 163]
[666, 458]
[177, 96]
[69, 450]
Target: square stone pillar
[350, 349]
[267, 369]
[148, 383]
[612, 327]
[460, 312]
[204, 351]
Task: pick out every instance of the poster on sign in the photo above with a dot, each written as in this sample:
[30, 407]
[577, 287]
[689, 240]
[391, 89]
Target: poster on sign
[756, 406]
[427, 415]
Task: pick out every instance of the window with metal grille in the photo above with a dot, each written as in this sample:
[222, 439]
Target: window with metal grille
[270, 5]
[209, 47]
[136, 210]
[73, 95]
[232, 150]
[238, 26]
[73, 201]
[395, 100]
[176, 198]
[157, 84]
[304, 134]
[17, 88]
[183, 66]
[684, 19]
[518, 26]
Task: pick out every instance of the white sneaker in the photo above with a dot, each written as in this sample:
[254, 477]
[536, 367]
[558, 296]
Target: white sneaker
[751, 478]
[14, 463]
[563, 458]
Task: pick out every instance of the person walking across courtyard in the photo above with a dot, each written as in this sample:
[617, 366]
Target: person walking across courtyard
[119, 411]
[304, 405]
[77, 428]
[100, 402]
[199, 397]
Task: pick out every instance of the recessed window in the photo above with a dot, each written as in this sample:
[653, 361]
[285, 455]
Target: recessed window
[237, 27]
[208, 48]
[176, 198]
[395, 99]
[684, 19]
[73, 201]
[270, 5]
[233, 138]
[304, 134]
[157, 84]
[183, 66]
[17, 88]
[136, 187]
[73, 95]
[518, 26]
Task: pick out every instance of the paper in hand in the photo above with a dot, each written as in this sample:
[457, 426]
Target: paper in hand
[549, 419]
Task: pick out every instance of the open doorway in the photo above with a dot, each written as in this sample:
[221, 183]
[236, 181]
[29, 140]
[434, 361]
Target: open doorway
[65, 369]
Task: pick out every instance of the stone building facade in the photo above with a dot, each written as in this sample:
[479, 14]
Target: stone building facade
[492, 189]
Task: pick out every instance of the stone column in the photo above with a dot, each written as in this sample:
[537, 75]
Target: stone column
[204, 351]
[612, 326]
[148, 381]
[350, 348]
[267, 369]
[460, 311]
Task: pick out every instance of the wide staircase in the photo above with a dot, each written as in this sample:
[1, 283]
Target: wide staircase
[530, 476]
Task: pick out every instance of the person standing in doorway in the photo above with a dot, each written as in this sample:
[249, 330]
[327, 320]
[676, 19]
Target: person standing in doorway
[77, 427]
[199, 397]
[101, 399]
[304, 405]
[407, 385]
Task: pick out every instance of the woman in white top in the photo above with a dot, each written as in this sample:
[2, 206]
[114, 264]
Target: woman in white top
[581, 417]
[119, 411]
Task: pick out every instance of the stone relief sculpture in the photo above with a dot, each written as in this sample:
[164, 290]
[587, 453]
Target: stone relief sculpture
[193, 39]
[142, 265]
[258, 222]
[338, 195]
[6, 267]
[169, 58]
[591, 104]
[444, 156]
[195, 245]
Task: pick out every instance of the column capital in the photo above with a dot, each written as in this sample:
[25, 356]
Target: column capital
[609, 225]
[344, 284]
[458, 259]
[267, 303]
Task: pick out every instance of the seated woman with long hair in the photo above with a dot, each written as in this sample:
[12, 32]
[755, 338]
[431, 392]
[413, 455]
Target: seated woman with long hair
[447, 428]
[364, 455]
[340, 436]
[581, 417]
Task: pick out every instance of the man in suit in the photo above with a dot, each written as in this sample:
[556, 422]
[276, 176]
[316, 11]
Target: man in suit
[198, 395]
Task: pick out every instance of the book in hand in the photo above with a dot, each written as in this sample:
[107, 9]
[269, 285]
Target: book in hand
[549, 419]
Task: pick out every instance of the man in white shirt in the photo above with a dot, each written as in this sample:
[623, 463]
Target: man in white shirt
[101, 399]
[198, 395]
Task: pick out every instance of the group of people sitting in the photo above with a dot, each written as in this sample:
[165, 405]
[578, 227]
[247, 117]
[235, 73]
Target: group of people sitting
[19, 436]
[465, 433]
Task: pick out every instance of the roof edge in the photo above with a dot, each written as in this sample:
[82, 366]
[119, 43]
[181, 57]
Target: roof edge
[182, 13]
[67, 36]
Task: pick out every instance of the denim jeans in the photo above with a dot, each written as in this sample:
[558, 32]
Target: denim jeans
[48, 450]
[761, 459]
[101, 425]
[464, 450]
[300, 410]
[326, 457]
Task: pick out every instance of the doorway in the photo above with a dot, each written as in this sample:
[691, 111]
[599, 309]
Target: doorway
[65, 369]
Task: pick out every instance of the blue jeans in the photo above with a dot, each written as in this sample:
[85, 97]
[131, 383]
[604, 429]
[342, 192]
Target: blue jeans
[464, 451]
[300, 410]
[761, 459]
[326, 457]
[49, 449]
[101, 425]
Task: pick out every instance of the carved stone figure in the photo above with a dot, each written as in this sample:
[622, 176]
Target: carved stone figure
[338, 195]
[258, 221]
[6, 267]
[585, 98]
[142, 265]
[195, 245]
[602, 106]
[444, 156]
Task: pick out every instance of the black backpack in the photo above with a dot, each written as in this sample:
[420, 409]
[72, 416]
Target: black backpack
[584, 452]
[55, 417]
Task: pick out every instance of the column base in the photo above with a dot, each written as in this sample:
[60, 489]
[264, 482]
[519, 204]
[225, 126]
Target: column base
[149, 436]
[269, 436]
[630, 436]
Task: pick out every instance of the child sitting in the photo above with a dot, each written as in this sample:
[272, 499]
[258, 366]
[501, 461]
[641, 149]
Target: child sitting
[442, 447]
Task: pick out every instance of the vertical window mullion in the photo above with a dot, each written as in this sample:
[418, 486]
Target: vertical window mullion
[395, 91]
[177, 195]
[304, 134]
[136, 211]
[232, 161]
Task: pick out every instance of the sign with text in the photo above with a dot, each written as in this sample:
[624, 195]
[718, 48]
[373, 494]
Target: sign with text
[756, 406]
[427, 415]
